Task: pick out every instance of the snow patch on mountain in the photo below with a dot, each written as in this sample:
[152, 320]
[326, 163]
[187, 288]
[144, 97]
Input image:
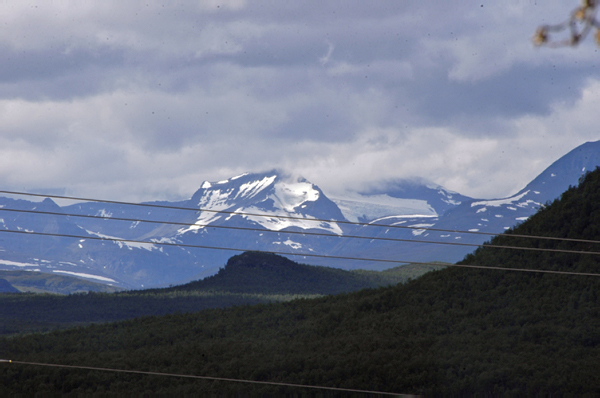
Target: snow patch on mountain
[204, 220]
[290, 243]
[421, 228]
[121, 243]
[17, 264]
[289, 196]
[381, 219]
[269, 200]
[365, 208]
[500, 202]
[87, 276]
[252, 188]
[239, 176]
[104, 213]
[278, 220]
[446, 195]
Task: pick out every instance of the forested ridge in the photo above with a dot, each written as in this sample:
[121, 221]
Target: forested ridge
[453, 331]
[248, 278]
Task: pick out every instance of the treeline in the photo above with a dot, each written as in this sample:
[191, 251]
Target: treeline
[457, 331]
[248, 278]
[266, 273]
[28, 312]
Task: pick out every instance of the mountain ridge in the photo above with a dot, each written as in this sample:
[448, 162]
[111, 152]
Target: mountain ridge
[271, 211]
[460, 331]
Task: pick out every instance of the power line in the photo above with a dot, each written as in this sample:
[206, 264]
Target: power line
[272, 383]
[321, 255]
[235, 212]
[289, 218]
[542, 271]
[303, 232]
[202, 246]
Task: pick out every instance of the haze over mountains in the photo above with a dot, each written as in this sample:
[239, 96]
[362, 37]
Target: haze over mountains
[270, 211]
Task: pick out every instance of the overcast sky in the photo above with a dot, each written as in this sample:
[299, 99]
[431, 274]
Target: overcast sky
[144, 100]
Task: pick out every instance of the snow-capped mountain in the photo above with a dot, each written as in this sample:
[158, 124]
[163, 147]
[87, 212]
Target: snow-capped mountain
[273, 201]
[413, 197]
[161, 243]
[481, 217]
[267, 211]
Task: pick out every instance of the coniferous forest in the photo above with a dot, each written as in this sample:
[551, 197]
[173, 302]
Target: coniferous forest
[248, 278]
[453, 331]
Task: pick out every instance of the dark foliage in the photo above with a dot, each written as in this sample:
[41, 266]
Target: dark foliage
[457, 331]
[248, 278]
[265, 273]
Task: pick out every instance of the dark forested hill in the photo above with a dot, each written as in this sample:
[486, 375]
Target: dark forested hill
[458, 331]
[265, 273]
[248, 278]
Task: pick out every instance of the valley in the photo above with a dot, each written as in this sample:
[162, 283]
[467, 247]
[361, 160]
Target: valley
[521, 322]
[247, 279]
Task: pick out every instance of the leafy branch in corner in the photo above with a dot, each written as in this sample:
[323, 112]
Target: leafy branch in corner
[579, 25]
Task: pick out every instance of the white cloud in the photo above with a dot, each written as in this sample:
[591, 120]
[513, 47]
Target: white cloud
[567, 126]
[129, 101]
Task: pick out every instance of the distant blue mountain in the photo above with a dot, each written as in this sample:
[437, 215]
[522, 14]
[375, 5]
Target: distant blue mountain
[6, 287]
[481, 216]
[270, 211]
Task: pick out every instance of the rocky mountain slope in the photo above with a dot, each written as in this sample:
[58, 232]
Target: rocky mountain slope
[162, 243]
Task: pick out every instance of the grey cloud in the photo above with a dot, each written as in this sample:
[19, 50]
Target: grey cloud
[522, 90]
[185, 92]
[55, 74]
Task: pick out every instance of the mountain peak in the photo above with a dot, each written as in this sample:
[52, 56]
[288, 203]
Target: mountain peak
[48, 205]
[564, 172]
[276, 200]
[416, 197]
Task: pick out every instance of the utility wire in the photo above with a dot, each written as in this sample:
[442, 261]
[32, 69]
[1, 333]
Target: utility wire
[321, 255]
[202, 246]
[272, 383]
[301, 232]
[291, 218]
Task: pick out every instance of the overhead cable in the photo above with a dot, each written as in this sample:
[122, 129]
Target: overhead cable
[344, 222]
[373, 238]
[319, 255]
[224, 379]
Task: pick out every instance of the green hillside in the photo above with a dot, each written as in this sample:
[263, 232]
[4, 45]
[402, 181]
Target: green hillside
[457, 331]
[265, 273]
[248, 278]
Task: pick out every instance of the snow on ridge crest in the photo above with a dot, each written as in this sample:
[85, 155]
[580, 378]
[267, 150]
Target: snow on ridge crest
[276, 221]
[214, 200]
[499, 202]
[288, 194]
[104, 213]
[372, 207]
[252, 188]
[239, 176]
